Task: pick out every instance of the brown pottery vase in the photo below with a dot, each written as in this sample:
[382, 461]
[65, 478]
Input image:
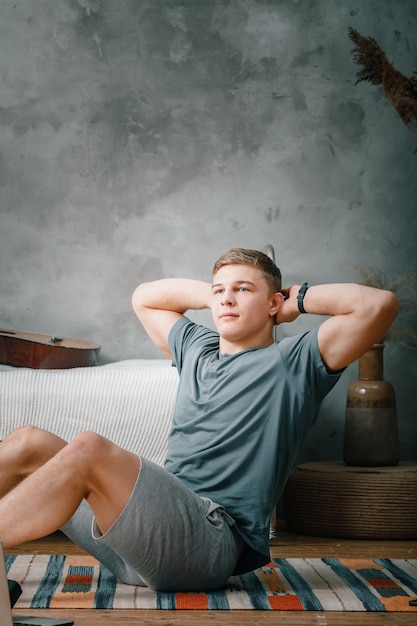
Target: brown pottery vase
[371, 426]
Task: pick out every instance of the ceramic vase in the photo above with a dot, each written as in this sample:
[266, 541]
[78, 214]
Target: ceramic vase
[371, 426]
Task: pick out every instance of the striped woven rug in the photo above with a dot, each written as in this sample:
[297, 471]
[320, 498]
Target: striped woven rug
[328, 584]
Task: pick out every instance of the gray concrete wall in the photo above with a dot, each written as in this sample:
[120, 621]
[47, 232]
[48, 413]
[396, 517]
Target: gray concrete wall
[143, 138]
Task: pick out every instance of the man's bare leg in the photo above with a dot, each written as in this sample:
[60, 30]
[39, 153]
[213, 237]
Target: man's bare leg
[24, 451]
[89, 467]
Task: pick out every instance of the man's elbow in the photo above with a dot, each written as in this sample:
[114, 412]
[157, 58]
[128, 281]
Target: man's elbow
[388, 309]
[139, 299]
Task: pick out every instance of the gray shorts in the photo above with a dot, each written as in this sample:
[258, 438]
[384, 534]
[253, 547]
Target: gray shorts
[167, 537]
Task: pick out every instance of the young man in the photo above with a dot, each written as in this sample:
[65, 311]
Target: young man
[245, 403]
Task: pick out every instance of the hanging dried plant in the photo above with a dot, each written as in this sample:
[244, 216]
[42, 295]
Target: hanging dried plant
[404, 289]
[376, 69]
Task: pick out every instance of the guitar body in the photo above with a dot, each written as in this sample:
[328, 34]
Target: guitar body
[40, 351]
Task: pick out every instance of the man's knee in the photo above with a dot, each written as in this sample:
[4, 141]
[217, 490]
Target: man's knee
[91, 442]
[28, 436]
[31, 447]
[89, 449]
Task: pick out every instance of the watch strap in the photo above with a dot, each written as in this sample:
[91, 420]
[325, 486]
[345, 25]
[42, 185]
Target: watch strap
[300, 297]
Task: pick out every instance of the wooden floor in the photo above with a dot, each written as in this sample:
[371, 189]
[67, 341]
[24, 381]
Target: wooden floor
[285, 545]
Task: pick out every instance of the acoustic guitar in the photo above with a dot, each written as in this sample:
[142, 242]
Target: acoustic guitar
[40, 351]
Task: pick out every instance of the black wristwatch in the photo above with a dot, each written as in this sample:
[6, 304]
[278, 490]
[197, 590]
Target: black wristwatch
[300, 297]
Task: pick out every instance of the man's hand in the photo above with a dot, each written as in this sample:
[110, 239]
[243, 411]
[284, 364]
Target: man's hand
[288, 310]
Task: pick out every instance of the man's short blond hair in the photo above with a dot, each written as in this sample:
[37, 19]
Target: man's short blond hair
[254, 258]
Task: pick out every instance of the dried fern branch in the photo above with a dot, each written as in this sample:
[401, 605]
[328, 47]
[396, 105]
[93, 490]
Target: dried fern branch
[376, 69]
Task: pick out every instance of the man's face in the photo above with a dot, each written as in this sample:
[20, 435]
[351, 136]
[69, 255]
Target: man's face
[243, 308]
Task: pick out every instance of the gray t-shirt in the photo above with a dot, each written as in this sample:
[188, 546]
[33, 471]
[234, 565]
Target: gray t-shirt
[239, 421]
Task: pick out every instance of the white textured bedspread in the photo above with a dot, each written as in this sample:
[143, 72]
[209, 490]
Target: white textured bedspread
[129, 402]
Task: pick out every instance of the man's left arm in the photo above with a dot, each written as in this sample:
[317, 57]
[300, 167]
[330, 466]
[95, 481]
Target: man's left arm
[359, 317]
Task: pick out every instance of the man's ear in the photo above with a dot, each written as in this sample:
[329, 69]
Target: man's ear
[276, 302]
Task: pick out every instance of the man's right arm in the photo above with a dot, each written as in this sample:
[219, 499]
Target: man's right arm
[159, 304]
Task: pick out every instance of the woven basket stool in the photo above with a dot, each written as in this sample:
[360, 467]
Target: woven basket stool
[331, 499]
